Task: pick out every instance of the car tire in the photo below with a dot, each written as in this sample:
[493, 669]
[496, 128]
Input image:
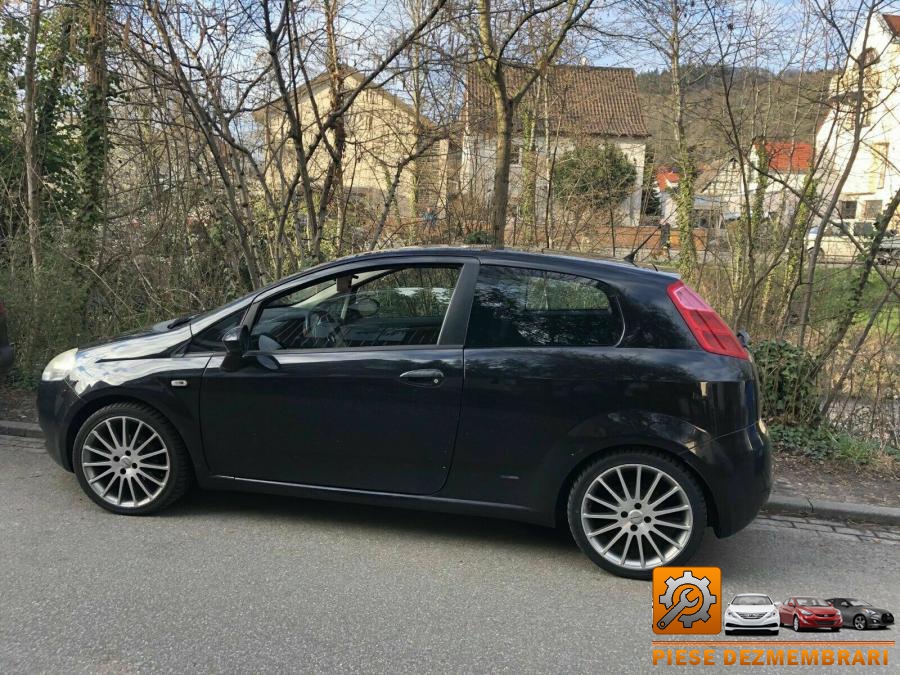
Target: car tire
[796, 624]
[669, 528]
[130, 460]
[859, 622]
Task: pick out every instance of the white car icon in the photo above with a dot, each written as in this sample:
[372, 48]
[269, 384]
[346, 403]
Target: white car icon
[751, 611]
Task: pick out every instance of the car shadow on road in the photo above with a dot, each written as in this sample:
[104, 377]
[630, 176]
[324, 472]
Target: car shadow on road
[378, 519]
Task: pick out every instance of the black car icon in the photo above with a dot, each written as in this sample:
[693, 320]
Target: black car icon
[860, 614]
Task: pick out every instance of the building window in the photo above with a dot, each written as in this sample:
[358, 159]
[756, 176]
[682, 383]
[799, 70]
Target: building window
[872, 209]
[517, 153]
[848, 210]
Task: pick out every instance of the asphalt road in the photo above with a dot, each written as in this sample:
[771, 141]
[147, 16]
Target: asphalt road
[238, 583]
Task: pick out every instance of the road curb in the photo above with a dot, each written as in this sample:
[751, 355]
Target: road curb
[805, 506]
[26, 429]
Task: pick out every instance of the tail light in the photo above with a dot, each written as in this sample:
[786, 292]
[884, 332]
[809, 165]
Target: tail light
[710, 331]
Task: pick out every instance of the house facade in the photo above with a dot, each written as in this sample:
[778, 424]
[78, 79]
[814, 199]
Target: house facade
[569, 106]
[874, 177]
[721, 194]
[384, 134]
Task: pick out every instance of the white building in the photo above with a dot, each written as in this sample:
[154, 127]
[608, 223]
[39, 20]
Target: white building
[720, 195]
[572, 105]
[874, 176]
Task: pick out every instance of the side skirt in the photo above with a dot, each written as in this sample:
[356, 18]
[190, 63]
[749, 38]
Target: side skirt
[391, 499]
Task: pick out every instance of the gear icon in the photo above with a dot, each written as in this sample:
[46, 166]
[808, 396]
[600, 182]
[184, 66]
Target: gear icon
[688, 579]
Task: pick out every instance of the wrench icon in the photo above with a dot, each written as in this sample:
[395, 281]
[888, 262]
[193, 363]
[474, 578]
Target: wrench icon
[682, 604]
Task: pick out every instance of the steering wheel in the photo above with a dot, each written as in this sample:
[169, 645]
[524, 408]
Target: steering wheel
[322, 319]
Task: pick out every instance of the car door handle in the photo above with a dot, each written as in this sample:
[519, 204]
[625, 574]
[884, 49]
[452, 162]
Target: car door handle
[422, 378]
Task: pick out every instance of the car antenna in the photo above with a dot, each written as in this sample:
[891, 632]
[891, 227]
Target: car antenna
[630, 257]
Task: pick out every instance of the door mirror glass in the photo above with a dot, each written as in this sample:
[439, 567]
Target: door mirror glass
[236, 340]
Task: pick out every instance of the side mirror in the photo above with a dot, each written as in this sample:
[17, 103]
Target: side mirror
[237, 340]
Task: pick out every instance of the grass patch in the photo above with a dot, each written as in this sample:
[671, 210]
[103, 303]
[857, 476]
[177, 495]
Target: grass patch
[824, 443]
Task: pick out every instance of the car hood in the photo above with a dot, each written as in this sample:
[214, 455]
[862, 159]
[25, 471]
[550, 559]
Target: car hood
[820, 611]
[156, 340]
[752, 609]
[871, 609]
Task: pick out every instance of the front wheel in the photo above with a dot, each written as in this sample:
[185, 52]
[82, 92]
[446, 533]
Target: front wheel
[635, 510]
[859, 622]
[130, 460]
[796, 625]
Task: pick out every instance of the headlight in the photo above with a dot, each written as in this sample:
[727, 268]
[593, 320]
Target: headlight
[728, 613]
[59, 366]
[871, 611]
[806, 612]
[770, 614]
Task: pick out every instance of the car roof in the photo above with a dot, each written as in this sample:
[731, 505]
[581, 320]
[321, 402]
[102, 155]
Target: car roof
[574, 260]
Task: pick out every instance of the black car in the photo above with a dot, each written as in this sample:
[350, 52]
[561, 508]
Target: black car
[519, 385]
[7, 351]
[860, 614]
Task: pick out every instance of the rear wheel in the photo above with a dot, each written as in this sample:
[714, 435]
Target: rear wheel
[130, 460]
[635, 510]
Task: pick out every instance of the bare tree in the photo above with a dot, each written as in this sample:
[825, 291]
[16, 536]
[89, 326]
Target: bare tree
[500, 28]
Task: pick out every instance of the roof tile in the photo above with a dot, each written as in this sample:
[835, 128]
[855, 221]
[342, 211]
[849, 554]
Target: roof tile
[584, 100]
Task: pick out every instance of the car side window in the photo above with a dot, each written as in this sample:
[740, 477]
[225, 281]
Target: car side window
[516, 307]
[392, 306]
[210, 339]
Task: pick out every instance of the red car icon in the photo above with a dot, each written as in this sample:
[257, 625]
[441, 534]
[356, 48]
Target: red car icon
[806, 612]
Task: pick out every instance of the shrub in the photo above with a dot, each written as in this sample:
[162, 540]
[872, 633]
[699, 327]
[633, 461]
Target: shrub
[789, 393]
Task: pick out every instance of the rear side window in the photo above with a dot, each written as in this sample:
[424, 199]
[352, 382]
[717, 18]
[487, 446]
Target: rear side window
[516, 307]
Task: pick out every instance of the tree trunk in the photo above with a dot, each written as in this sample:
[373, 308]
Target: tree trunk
[687, 254]
[32, 170]
[503, 159]
[94, 131]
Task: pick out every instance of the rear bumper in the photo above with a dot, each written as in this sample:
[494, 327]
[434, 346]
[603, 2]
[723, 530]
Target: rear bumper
[7, 356]
[739, 475]
[57, 404]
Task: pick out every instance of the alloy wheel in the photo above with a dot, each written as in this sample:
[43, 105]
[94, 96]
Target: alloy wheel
[636, 516]
[796, 625]
[125, 461]
[859, 622]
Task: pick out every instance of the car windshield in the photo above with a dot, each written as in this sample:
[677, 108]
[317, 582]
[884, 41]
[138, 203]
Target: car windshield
[859, 603]
[811, 602]
[751, 600]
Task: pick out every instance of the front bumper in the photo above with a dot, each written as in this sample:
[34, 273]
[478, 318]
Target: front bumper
[56, 406]
[820, 622]
[879, 620]
[737, 622]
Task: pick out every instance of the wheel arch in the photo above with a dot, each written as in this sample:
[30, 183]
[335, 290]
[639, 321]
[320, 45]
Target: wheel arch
[101, 401]
[682, 458]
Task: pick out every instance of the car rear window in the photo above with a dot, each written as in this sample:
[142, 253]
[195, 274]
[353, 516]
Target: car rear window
[518, 307]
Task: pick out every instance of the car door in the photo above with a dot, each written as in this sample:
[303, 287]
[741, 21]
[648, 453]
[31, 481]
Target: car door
[540, 359]
[352, 379]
